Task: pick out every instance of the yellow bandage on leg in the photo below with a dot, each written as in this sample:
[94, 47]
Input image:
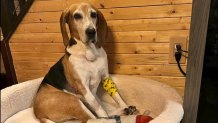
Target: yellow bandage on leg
[109, 86]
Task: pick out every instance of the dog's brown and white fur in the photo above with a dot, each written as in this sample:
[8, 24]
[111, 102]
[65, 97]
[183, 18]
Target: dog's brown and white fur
[84, 66]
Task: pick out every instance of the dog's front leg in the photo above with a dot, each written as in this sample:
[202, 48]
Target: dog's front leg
[119, 100]
[110, 87]
[112, 90]
[93, 103]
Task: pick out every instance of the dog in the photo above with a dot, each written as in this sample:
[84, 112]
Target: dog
[68, 91]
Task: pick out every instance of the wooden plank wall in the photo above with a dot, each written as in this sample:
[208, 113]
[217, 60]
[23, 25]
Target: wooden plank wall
[138, 42]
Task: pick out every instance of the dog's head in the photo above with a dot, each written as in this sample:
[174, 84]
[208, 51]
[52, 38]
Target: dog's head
[86, 24]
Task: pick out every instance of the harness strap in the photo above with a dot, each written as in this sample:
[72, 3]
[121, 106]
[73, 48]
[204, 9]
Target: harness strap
[115, 117]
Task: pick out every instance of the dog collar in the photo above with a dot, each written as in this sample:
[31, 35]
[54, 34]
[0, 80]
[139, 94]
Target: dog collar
[117, 118]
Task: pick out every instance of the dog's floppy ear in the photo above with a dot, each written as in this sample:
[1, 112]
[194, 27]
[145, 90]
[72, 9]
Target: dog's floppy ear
[63, 20]
[101, 29]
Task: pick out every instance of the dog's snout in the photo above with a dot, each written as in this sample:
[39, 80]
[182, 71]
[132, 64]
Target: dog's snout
[90, 32]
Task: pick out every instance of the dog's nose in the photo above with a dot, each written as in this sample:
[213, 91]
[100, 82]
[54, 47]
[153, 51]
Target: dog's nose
[90, 32]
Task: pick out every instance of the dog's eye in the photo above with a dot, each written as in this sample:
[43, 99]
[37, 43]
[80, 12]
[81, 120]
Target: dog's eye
[77, 16]
[94, 15]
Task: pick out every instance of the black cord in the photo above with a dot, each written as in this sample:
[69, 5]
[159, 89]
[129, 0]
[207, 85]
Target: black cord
[184, 51]
[178, 56]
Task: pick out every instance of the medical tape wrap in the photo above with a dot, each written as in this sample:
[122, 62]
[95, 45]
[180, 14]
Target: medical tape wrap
[109, 86]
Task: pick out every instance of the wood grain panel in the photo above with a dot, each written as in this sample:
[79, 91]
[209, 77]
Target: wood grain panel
[58, 5]
[130, 3]
[132, 48]
[180, 10]
[47, 5]
[132, 37]
[137, 59]
[145, 70]
[181, 23]
[149, 70]
[23, 56]
[137, 48]
[147, 12]
[136, 36]
[33, 65]
[121, 37]
[45, 17]
[38, 47]
[48, 17]
[36, 38]
[25, 75]
[38, 28]
[55, 28]
[167, 35]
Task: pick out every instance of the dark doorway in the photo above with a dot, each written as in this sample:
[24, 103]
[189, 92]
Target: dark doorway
[2, 73]
[207, 112]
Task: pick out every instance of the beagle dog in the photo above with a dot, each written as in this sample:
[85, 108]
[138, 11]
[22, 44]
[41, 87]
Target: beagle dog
[68, 91]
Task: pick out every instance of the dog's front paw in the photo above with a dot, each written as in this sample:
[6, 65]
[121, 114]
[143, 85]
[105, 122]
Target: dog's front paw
[131, 110]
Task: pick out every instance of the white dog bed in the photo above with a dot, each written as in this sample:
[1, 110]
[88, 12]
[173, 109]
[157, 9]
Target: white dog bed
[163, 101]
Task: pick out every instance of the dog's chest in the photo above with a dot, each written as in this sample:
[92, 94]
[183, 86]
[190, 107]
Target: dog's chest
[90, 72]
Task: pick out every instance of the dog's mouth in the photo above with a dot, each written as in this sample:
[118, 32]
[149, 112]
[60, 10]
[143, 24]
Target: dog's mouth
[92, 40]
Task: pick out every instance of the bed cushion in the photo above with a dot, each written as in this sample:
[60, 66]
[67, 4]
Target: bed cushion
[163, 101]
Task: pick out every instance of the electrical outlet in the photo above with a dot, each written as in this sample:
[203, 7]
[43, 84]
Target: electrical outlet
[173, 42]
